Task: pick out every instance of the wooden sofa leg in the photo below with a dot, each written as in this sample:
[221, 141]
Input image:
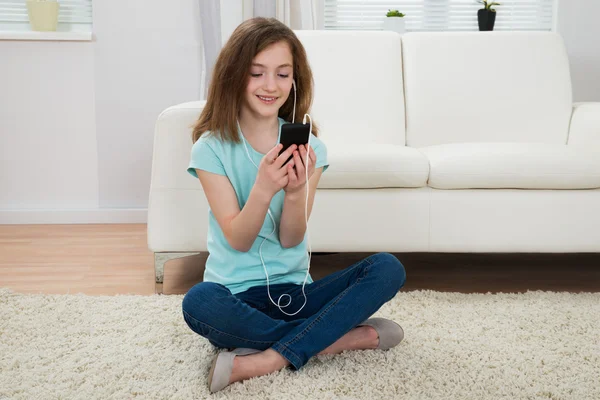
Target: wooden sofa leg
[159, 267]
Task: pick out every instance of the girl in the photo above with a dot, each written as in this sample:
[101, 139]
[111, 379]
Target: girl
[259, 207]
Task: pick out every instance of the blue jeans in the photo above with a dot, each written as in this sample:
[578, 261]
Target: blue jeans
[335, 305]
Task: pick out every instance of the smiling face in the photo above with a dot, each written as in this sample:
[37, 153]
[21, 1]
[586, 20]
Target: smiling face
[270, 81]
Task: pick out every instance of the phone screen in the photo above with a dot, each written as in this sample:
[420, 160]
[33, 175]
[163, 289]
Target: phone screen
[293, 134]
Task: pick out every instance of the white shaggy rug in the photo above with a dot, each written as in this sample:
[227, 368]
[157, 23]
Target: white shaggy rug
[538, 345]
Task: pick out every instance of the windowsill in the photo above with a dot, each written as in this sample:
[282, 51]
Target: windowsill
[52, 36]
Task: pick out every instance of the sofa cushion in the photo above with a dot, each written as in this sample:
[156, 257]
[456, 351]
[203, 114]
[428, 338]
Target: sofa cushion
[372, 165]
[511, 165]
[497, 86]
[359, 85]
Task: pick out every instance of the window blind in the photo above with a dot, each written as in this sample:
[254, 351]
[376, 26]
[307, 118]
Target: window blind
[73, 15]
[438, 15]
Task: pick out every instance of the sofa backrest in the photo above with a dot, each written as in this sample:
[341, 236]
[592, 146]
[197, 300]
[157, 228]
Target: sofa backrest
[358, 84]
[486, 87]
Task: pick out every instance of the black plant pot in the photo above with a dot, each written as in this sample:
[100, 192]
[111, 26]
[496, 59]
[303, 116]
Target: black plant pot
[486, 19]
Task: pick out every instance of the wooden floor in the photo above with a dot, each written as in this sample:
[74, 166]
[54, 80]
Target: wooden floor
[107, 259]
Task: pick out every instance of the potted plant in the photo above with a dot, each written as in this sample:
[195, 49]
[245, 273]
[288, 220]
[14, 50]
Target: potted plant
[394, 21]
[43, 14]
[487, 15]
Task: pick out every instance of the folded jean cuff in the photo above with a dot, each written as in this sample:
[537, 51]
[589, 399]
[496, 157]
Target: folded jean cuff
[288, 355]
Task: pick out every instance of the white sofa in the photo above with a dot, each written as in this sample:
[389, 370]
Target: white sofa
[438, 142]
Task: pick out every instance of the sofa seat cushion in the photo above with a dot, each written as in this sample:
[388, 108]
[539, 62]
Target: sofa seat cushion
[511, 165]
[372, 165]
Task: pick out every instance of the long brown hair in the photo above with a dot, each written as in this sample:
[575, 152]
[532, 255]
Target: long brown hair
[231, 74]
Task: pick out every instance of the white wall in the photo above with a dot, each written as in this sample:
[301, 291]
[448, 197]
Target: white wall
[147, 59]
[48, 157]
[77, 118]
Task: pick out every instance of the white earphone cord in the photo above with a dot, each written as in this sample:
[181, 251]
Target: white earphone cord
[306, 162]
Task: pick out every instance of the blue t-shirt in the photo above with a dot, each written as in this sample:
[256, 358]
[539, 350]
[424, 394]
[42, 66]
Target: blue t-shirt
[239, 271]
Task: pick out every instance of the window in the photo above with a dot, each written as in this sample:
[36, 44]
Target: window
[73, 16]
[438, 15]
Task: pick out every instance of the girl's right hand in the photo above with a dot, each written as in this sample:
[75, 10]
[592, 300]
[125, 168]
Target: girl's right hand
[271, 176]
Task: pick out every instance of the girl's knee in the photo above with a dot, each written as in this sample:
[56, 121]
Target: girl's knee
[198, 306]
[200, 296]
[390, 270]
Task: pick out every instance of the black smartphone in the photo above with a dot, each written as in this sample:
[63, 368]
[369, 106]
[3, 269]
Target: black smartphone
[293, 134]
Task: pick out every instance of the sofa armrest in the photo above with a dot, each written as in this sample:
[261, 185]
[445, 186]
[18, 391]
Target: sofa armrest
[585, 125]
[177, 207]
[172, 147]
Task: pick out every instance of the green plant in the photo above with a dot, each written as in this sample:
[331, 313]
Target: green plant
[394, 13]
[488, 5]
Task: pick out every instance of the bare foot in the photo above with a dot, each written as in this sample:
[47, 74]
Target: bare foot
[360, 338]
[258, 364]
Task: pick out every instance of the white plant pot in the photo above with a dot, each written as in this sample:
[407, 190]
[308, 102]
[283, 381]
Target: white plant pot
[395, 24]
[43, 15]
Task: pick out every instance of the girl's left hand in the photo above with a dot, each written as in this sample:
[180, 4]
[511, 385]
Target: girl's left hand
[297, 172]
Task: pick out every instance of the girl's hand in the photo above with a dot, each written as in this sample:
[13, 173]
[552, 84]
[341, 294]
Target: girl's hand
[296, 169]
[272, 177]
